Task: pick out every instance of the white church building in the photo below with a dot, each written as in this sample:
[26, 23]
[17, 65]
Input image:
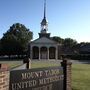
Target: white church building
[44, 48]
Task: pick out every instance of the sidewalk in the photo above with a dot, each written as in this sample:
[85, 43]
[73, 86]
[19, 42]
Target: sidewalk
[20, 67]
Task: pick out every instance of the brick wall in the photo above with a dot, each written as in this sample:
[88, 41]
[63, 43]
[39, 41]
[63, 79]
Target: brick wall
[4, 77]
[66, 64]
[69, 74]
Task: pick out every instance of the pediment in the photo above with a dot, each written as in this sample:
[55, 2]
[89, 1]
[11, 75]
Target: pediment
[44, 40]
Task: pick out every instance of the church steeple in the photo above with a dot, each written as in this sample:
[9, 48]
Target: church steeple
[44, 23]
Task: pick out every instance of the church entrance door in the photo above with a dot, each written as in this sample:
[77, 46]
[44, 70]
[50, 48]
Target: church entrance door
[43, 53]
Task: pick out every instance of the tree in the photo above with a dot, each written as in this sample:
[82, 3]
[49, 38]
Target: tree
[0, 48]
[58, 39]
[15, 40]
[68, 42]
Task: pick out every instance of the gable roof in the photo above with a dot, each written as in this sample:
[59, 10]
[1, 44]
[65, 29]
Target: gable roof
[44, 40]
[85, 47]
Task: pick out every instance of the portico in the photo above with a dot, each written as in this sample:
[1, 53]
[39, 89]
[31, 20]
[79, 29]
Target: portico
[44, 49]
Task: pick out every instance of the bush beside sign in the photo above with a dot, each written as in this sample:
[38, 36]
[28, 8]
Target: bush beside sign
[50, 78]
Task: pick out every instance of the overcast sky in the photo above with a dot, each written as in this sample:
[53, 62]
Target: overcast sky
[66, 18]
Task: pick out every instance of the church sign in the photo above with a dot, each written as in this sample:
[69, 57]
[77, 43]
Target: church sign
[50, 78]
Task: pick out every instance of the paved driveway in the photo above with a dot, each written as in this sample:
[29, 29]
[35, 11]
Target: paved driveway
[81, 61]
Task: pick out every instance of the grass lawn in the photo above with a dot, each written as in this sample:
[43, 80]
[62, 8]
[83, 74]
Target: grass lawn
[12, 64]
[40, 64]
[34, 64]
[81, 77]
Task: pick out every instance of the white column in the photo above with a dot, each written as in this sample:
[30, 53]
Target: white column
[31, 53]
[48, 52]
[56, 53]
[39, 53]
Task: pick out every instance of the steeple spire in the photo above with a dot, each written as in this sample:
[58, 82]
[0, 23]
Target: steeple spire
[44, 9]
[44, 24]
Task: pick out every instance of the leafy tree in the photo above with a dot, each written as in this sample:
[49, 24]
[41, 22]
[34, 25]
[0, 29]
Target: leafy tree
[58, 39]
[68, 42]
[0, 48]
[16, 39]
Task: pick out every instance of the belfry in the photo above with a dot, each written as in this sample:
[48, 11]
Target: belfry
[44, 48]
[44, 24]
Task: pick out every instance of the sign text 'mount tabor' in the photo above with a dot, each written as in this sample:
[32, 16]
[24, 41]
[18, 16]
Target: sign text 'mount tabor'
[50, 78]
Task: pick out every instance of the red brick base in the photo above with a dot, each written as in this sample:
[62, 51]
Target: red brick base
[4, 77]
